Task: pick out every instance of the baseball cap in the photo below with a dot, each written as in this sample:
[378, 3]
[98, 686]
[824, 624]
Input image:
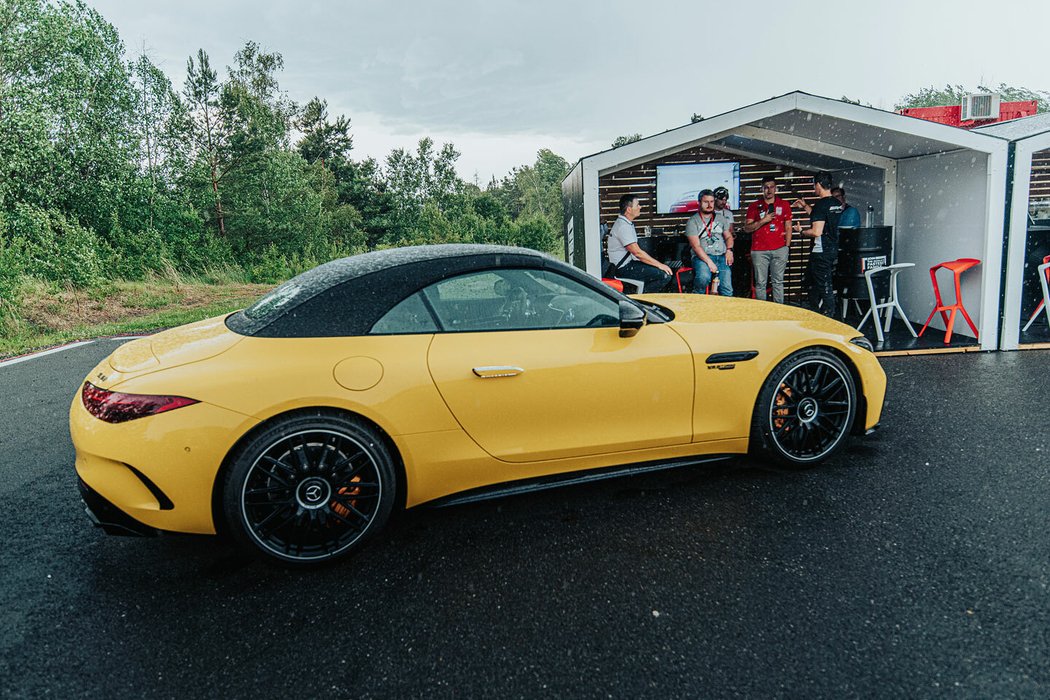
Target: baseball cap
[721, 193]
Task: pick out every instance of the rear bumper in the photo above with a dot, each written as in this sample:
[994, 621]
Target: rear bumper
[158, 472]
[111, 519]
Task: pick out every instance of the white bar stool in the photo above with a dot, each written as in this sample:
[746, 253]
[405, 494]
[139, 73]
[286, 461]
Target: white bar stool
[891, 302]
[1044, 305]
[631, 286]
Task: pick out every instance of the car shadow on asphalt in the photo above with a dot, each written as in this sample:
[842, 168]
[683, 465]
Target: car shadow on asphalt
[426, 528]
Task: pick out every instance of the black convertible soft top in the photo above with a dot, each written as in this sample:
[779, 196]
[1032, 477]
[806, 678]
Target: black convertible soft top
[347, 296]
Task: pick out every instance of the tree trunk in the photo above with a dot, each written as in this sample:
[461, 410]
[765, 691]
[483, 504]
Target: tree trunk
[218, 199]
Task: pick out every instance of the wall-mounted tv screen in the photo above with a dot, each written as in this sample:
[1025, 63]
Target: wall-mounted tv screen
[678, 185]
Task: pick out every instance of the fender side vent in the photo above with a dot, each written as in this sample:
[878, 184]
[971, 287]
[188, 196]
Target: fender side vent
[720, 358]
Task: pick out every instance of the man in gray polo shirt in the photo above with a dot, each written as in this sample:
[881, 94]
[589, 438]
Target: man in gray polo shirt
[624, 253]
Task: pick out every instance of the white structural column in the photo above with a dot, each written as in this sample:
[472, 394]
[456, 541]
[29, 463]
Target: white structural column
[991, 279]
[592, 210]
[1024, 150]
[889, 202]
[1015, 251]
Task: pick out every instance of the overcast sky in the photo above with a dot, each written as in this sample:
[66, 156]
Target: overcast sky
[503, 79]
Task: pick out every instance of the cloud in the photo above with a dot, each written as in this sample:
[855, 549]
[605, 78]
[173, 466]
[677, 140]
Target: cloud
[583, 71]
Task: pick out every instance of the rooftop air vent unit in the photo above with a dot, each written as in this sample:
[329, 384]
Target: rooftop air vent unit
[983, 105]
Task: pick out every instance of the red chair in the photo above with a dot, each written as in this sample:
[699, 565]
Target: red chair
[711, 288]
[957, 267]
[1042, 302]
[678, 276]
[614, 283]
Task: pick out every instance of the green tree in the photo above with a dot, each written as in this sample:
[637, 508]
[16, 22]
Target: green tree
[323, 140]
[624, 140]
[239, 133]
[533, 192]
[69, 141]
[323, 144]
[161, 122]
[208, 132]
[953, 94]
[1020, 94]
[66, 109]
[258, 112]
[427, 175]
[360, 184]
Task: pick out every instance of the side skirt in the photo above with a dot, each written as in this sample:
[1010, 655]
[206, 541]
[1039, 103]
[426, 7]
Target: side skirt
[487, 493]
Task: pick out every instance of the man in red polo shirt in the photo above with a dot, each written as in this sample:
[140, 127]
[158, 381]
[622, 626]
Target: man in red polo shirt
[768, 221]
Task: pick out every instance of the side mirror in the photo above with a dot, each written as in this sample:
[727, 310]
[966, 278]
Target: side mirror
[632, 319]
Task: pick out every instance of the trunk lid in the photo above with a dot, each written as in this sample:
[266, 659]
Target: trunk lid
[178, 346]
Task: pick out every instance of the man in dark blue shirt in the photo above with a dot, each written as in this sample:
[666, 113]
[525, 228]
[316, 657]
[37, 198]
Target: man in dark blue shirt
[850, 216]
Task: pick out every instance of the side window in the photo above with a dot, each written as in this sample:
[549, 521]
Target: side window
[518, 299]
[409, 316]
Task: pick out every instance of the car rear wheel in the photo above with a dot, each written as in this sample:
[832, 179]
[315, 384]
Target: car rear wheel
[805, 409]
[309, 488]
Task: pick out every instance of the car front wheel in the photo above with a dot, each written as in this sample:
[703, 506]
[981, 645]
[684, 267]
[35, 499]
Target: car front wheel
[309, 488]
[805, 409]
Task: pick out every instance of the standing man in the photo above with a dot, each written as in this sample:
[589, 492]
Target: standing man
[630, 261]
[712, 244]
[769, 220]
[850, 216]
[722, 209]
[824, 218]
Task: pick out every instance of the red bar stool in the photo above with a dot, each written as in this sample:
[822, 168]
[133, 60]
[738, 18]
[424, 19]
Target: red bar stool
[711, 288]
[678, 276]
[957, 267]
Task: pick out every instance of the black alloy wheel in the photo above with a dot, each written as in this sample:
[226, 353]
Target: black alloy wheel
[309, 489]
[805, 410]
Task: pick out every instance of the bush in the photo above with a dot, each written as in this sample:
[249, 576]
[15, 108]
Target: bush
[54, 248]
[135, 253]
[271, 268]
[12, 267]
[535, 232]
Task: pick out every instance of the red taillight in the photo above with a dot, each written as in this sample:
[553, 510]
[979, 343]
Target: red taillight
[115, 407]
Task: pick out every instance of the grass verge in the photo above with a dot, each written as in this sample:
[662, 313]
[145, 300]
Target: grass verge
[48, 316]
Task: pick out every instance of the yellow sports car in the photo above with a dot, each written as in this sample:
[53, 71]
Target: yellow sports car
[404, 376]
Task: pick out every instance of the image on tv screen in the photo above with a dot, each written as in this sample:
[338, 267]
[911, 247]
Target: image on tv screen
[678, 185]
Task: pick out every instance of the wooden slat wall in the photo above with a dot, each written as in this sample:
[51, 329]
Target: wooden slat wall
[1040, 182]
[641, 179]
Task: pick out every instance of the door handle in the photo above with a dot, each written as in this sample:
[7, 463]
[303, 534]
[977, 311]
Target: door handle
[494, 371]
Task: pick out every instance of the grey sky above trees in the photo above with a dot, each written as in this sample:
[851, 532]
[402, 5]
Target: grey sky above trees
[503, 79]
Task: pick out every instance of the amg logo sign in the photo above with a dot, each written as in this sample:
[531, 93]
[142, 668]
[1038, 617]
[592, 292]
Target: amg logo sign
[872, 263]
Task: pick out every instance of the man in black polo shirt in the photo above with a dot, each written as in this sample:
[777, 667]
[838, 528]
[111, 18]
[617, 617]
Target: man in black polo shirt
[824, 230]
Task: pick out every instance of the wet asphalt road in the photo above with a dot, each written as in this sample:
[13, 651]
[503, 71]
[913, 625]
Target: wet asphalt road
[916, 564]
